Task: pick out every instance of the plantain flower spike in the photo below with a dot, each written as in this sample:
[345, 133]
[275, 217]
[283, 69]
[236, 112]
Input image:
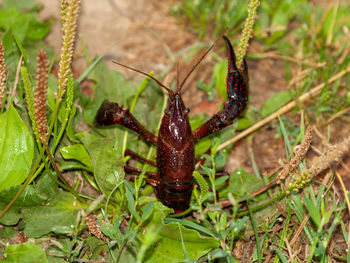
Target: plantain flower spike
[41, 94]
[69, 18]
[2, 74]
[247, 32]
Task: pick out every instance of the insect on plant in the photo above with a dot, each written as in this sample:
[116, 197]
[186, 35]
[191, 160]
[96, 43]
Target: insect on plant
[175, 160]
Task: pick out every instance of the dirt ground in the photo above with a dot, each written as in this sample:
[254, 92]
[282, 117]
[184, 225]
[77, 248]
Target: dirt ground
[144, 35]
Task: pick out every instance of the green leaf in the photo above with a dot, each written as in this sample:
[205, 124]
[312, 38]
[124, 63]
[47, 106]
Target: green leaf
[37, 30]
[313, 211]
[131, 201]
[12, 216]
[26, 252]
[241, 182]
[5, 20]
[7, 232]
[12, 21]
[276, 102]
[202, 146]
[220, 72]
[196, 120]
[147, 211]
[190, 224]
[168, 247]
[16, 149]
[31, 196]
[106, 160]
[244, 123]
[159, 213]
[221, 180]
[58, 215]
[76, 152]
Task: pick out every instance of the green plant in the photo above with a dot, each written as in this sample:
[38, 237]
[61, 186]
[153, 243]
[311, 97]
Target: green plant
[288, 216]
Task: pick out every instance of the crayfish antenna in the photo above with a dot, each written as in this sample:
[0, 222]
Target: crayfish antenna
[170, 92]
[177, 73]
[178, 89]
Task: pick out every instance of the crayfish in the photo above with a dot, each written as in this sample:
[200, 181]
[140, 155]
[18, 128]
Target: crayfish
[175, 159]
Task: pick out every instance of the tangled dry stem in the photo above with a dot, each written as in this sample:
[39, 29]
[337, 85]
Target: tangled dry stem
[2, 74]
[40, 94]
[330, 158]
[69, 17]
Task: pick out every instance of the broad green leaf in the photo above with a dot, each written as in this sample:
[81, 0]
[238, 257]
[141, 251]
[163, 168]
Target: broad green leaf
[16, 149]
[37, 30]
[197, 120]
[241, 182]
[31, 196]
[26, 252]
[7, 232]
[19, 24]
[15, 22]
[276, 102]
[46, 186]
[168, 247]
[243, 123]
[106, 160]
[220, 72]
[76, 152]
[12, 216]
[147, 211]
[202, 146]
[190, 224]
[58, 215]
[4, 20]
[159, 213]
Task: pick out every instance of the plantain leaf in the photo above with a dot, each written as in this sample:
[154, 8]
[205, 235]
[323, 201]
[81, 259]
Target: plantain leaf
[16, 149]
[26, 252]
[276, 102]
[106, 160]
[58, 216]
[76, 152]
[168, 247]
[220, 72]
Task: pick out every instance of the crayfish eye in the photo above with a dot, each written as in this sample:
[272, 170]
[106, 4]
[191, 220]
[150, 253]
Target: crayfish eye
[186, 111]
[166, 111]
